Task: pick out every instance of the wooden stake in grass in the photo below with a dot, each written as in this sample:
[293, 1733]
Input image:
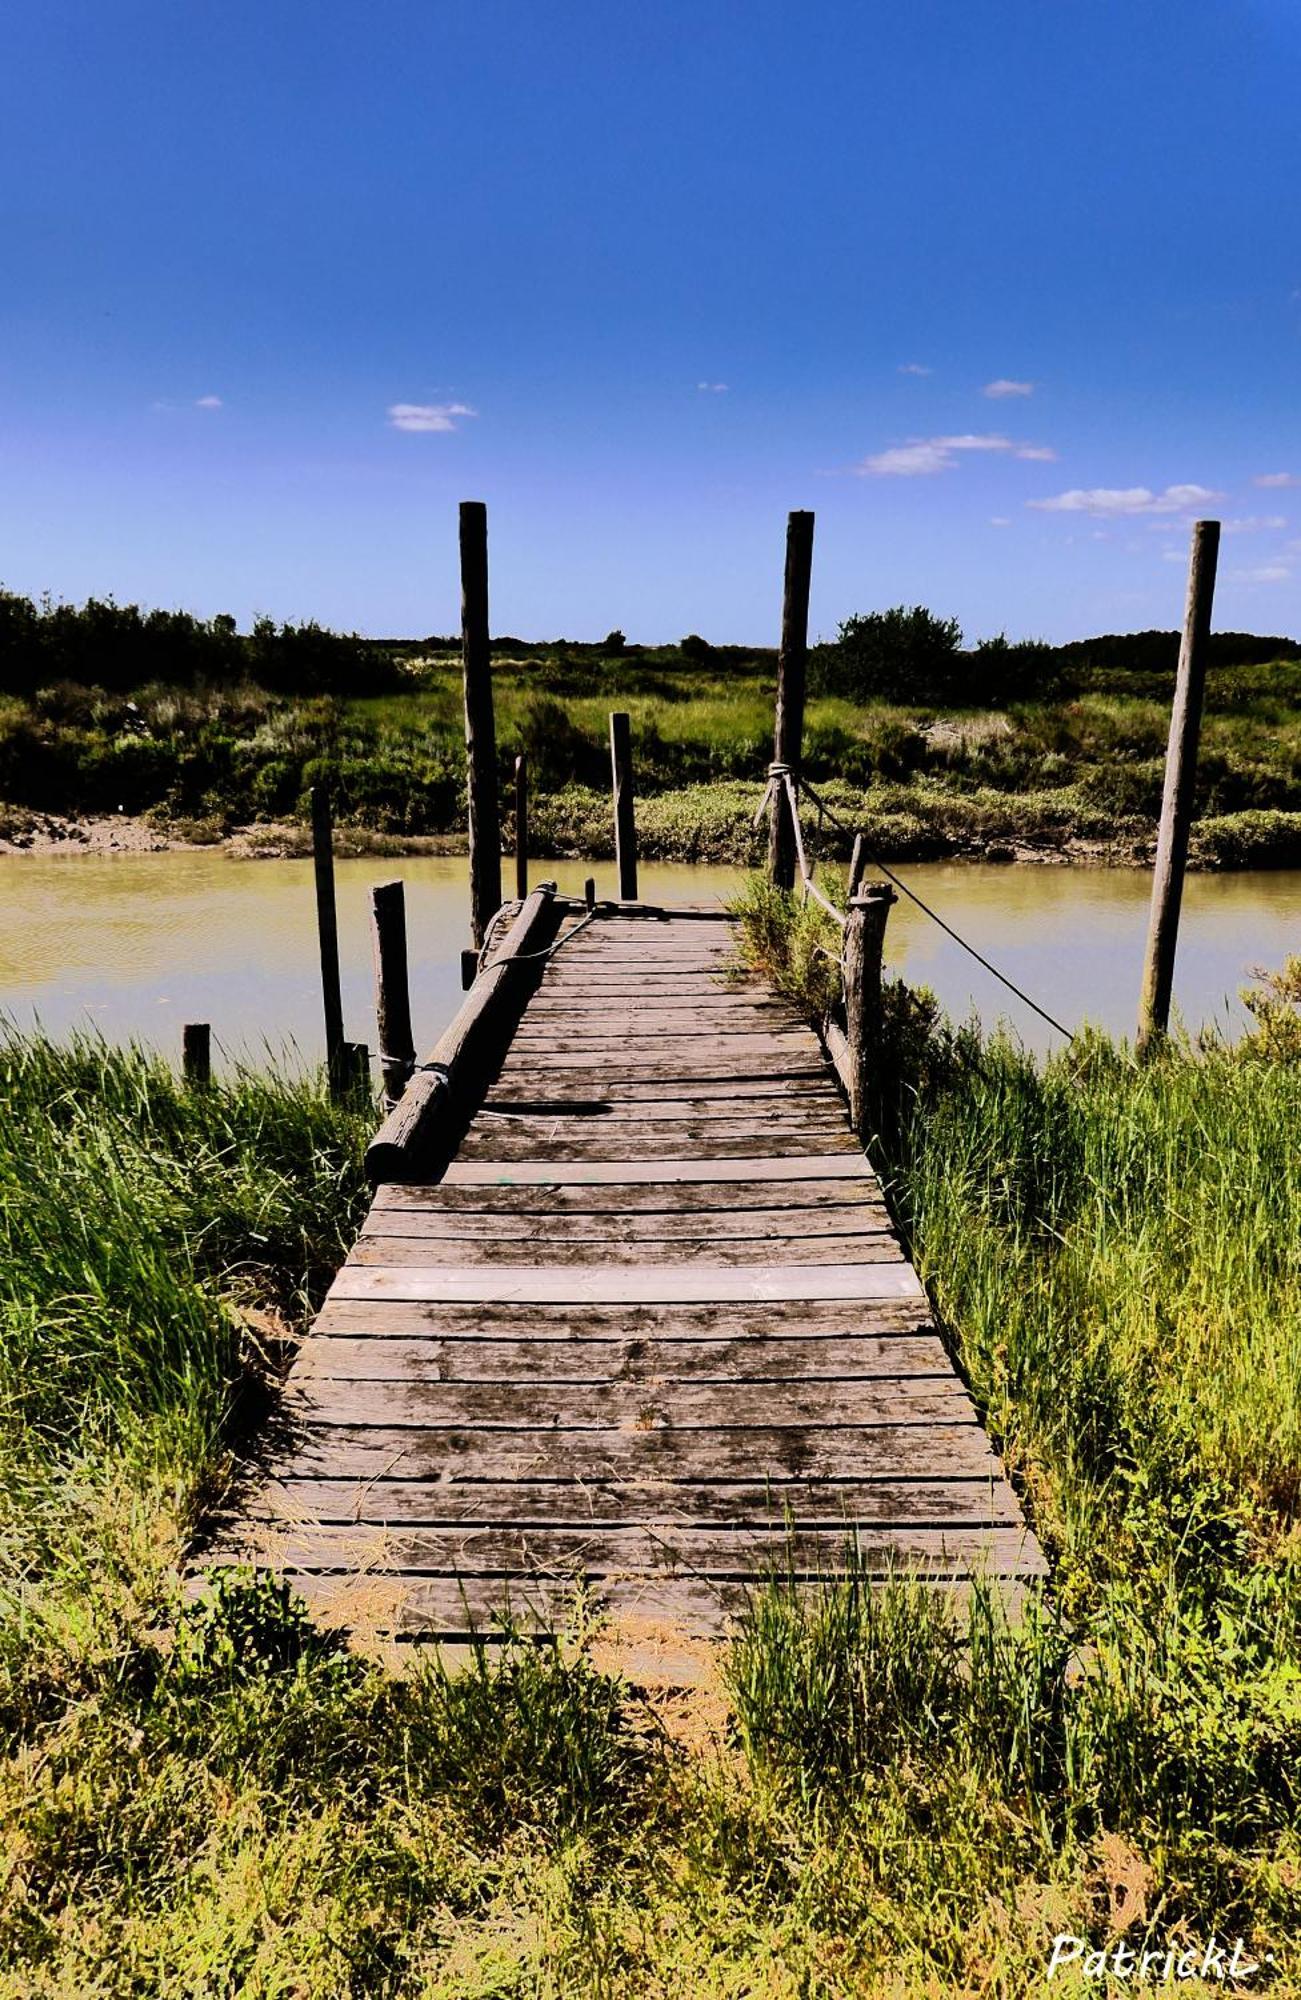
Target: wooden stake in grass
[196, 1053]
[397, 1049]
[788, 733]
[1180, 779]
[480, 731]
[327, 925]
[625, 822]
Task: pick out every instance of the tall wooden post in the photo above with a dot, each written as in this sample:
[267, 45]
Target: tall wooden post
[388, 929]
[521, 826]
[480, 733]
[788, 734]
[864, 949]
[1180, 779]
[327, 925]
[625, 821]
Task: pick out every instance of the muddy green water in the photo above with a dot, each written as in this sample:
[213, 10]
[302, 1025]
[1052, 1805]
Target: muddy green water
[135, 945]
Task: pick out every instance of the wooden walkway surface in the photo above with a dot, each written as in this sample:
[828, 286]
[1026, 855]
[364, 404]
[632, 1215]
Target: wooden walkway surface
[652, 1327]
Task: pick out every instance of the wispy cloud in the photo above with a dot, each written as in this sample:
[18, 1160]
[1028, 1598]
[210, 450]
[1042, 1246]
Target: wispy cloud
[1255, 524]
[915, 368]
[1277, 479]
[428, 416]
[1112, 500]
[919, 456]
[1271, 572]
[208, 403]
[713, 388]
[1004, 387]
[1000, 520]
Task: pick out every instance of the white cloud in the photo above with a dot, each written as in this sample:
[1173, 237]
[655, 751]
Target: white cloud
[1003, 388]
[938, 454]
[1276, 572]
[1276, 479]
[427, 416]
[915, 368]
[1255, 524]
[207, 403]
[1044, 453]
[1000, 521]
[1125, 500]
[713, 388]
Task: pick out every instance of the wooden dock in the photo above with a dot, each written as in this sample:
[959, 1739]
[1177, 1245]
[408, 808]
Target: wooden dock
[650, 1327]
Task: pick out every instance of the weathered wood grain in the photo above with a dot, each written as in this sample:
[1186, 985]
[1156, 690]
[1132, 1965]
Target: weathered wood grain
[674, 1141]
[791, 1451]
[792, 1319]
[432, 1608]
[693, 1202]
[673, 1173]
[432, 1252]
[651, 1284]
[815, 1503]
[755, 1225]
[752, 1359]
[739, 1554]
[400, 1401]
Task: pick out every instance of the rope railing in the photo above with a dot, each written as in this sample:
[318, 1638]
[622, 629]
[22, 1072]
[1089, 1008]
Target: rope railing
[791, 785]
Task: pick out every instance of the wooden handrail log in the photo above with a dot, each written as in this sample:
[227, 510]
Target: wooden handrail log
[457, 1067]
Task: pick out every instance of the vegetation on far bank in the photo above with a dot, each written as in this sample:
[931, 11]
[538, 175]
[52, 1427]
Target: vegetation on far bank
[996, 752]
[218, 1800]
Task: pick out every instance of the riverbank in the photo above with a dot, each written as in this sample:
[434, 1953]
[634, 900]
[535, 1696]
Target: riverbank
[1073, 775]
[715, 823]
[219, 1799]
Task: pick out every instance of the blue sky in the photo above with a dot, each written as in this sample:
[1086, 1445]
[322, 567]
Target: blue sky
[1007, 291]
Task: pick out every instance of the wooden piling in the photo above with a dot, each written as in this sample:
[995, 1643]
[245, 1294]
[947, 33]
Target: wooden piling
[589, 891]
[788, 733]
[397, 1049]
[864, 949]
[196, 1052]
[521, 827]
[1180, 780]
[327, 925]
[480, 732]
[625, 820]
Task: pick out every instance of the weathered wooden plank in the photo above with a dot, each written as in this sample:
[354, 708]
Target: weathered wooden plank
[790, 1319]
[539, 1114]
[432, 1252]
[919, 1451]
[644, 1066]
[581, 1003]
[756, 1225]
[651, 1284]
[621, 1096]
[354, 1358]
[829, 1503]
[737, 1553]
[741, 1041]
[399, 1402]
[630, 1142]
[691, 1202]
[432, 1608]
[672, 1173]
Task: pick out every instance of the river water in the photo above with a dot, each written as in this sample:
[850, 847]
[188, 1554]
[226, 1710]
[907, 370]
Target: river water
[137, 944]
